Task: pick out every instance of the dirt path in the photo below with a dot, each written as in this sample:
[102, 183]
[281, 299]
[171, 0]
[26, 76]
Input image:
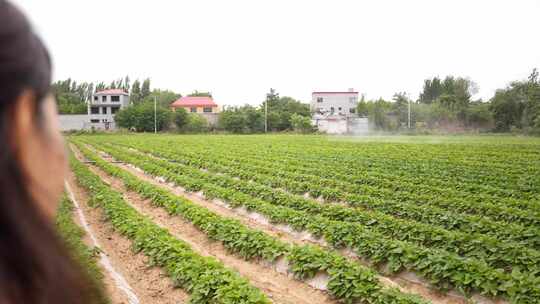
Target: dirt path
[150, 284]
[281, 288]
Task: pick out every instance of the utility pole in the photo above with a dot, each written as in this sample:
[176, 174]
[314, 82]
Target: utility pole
[409, 120]
[266, 116]
[155, 114]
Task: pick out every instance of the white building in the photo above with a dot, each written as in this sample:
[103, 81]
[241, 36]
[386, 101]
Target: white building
[334, 103]
[104, 105]
[335, 113]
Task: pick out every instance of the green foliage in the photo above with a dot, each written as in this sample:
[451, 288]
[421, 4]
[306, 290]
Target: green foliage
[233, 120]
[280, 110]
[301, 123]
[362, 108]
[140, 117]
[400, 237]
[518, 106]
[200, 94]
[349, 282]
[87, 257]
[181, 118]
[145, 89]
[196, 123]
[135, 96]
[205, 278]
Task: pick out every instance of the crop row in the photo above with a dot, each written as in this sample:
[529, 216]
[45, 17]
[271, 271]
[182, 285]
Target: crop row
[443, 269]
[379, 181]
[205, 278]
[72, 235]
[380, 173]
[394, 163]
[375, 186]
[348, 281]
[277, 177]
[507, 255]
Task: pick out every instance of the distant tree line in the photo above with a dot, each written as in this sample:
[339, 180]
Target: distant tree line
[250, 119]
[446, 104]
[443, 104]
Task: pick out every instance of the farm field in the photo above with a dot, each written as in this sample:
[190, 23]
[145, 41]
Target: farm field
[315, 219]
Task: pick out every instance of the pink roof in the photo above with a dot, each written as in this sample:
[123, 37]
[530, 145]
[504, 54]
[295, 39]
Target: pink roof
[112, 92]
[334, 93]
[194, 101]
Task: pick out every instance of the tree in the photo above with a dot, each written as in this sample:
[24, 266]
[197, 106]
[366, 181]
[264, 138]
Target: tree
[200, 94]
[233, 120]
[301, 123]
[180, 118]
[135, 95]
[401, 107]
[141, 117]
[518, 105]
[280, 110]
[164, 98]
[362, 107]
[145, 89]
[196, 123]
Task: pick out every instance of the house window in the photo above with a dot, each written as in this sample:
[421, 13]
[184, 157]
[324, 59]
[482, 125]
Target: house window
[103, 98]
[115, 98]
[94, 120]
[332, 109]
[207, 110]
[352, 110]
[95, 98]
[339, 109]
[320, 99]
[115, 109]
[94, 110]
[193, 110]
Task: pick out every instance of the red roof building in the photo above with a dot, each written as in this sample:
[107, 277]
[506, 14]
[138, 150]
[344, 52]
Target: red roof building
[196, 104]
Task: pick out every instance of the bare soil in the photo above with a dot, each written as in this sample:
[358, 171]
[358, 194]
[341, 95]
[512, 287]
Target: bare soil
[150, 284]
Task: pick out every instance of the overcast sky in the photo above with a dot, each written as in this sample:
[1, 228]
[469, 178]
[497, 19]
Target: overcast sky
[239, 49]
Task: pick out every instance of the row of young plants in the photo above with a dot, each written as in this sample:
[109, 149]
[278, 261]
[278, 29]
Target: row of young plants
[506, 164]
[85, 256]
[392, 161]
[507, 255]
[372, 186]
[348, 281]
[442, 269]
[205, 278]
[278, 177]
[386, 181]
[380, 181]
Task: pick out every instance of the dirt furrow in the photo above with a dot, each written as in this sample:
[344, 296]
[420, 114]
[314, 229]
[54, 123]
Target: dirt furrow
[150, 284]
[281, 288]
[406, 282]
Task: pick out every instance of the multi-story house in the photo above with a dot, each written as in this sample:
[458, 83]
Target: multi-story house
[335, 113]
[334, 103]
[202, 105]
[104, 105]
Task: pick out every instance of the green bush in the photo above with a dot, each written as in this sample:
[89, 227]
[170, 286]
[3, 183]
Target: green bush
[141, 117]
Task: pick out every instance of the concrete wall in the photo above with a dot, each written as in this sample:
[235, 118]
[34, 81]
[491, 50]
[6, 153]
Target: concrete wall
[342, 125]
[211, 118]
[74, 122]
[340, 102]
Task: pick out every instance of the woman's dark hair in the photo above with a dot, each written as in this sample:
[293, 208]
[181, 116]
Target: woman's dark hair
[34, 265]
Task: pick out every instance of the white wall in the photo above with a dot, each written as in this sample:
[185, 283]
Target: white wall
[342, 125]
[344, 100]
[73, 122]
